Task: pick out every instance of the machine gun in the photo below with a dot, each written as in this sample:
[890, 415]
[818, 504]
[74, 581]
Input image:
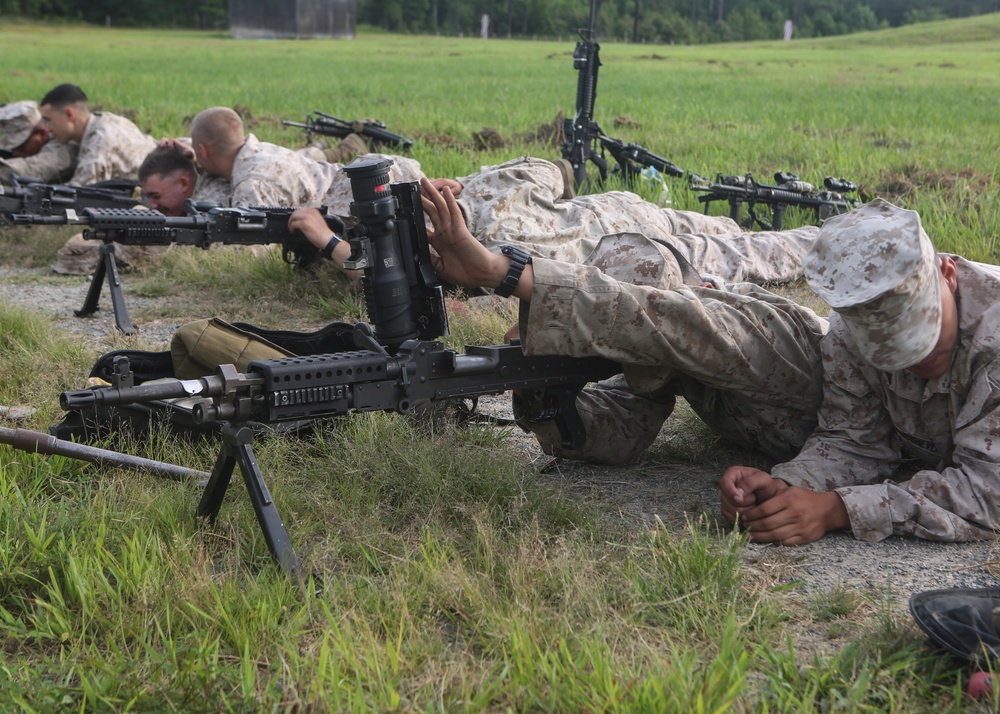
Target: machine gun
[582, 132]
[398, 363]
[30, 196]
[203, 227]
[788, 191]
[327, 125]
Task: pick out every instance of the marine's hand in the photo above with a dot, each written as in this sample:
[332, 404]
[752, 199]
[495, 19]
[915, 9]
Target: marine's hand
[455, 186]
[742, 487]
[795, 516]
[312, 225]
[461, 259]
[177, 144]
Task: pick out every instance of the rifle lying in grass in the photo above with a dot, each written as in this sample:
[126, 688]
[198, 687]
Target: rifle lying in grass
[327, 125]
[202, 228]
[582, 132]
[398, 363]
[29, 196]
[789, 191]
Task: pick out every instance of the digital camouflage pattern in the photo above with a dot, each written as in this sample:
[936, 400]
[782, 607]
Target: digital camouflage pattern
[269, 175]
[17, 121]
[55, 163]
[522, 201]
[948, 426]
[747, 360]
[112, 148]
[878, 269]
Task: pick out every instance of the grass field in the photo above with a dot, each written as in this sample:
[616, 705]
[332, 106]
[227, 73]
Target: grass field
[449, 577]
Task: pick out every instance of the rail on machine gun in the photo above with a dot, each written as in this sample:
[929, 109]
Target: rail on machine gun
[204, 226]
[398, 362]
[27, 195]
[788, 190]
[328, 125]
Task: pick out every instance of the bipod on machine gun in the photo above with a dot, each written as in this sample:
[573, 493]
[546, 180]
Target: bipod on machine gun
[204, 226]
[328, 125]
[27, 195]
[788, 190]
[582, 133]
[397, 365]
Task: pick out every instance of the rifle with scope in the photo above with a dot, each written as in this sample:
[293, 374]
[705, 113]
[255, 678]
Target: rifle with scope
[788, 190]
[582, 133]
[204, 226]
[30, 196]
[328, 125]
[398, 362]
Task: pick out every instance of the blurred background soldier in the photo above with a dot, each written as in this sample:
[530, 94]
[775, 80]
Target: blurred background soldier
[28, 149]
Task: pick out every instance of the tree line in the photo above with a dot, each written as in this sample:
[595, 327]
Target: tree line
[661, 21]
[654, 21]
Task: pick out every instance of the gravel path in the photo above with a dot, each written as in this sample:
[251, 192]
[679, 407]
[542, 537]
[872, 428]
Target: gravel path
[670, 492]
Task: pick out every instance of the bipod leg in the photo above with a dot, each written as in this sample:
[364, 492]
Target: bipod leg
[107, 269]
[236, 449]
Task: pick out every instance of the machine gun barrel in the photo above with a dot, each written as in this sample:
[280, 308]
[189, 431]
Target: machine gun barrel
[35, 442]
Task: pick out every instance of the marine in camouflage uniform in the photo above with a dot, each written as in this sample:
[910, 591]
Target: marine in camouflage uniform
[112, 147]
[912, 380]
[34, 152]
[522, 201]
[747, 360]
[53, 164]
[269, 175]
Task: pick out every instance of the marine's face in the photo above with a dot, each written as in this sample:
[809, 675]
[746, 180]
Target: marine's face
[939, 360]
[167, 193]
[58, 121]
[39, 138]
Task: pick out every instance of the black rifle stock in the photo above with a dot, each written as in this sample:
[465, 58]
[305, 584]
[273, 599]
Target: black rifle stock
[397, 366]
[214, 225]
[25, 196]
[740, 191]
[328, 125]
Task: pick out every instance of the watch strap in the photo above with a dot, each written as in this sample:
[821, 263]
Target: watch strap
[518, 259]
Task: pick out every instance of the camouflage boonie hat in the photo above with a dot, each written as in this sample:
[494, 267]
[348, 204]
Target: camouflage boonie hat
[634, 258]
[878, 269]
[16, 122]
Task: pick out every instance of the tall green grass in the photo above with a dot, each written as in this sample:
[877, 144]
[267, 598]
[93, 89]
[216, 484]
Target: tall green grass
[447, 576]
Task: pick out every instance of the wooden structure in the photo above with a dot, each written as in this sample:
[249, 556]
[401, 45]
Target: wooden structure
[292, 19]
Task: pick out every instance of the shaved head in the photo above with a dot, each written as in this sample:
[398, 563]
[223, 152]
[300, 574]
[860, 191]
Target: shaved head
[219, 128]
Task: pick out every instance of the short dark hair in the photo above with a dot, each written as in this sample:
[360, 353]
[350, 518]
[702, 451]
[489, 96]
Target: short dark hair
[62, 95]
[164, 160]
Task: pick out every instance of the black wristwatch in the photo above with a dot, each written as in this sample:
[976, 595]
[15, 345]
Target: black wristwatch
[331, 245]
[518, 259]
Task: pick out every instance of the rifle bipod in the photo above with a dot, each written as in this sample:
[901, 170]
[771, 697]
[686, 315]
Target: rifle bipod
[107, 270]
[236, 448]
